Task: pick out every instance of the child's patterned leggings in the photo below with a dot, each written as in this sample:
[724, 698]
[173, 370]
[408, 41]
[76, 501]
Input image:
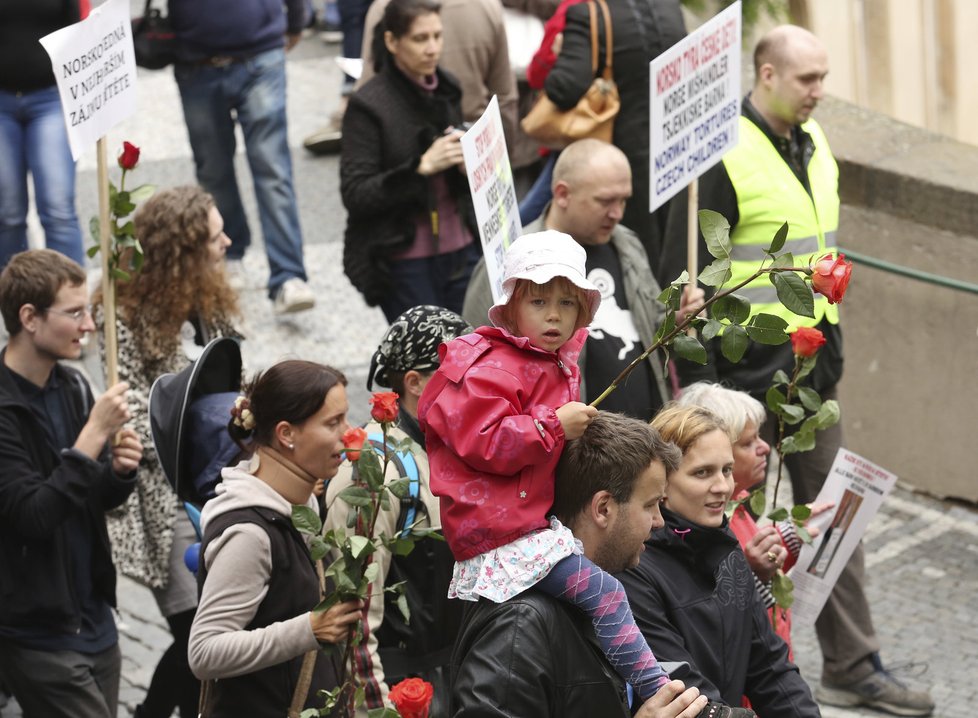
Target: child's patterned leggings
[601, 596]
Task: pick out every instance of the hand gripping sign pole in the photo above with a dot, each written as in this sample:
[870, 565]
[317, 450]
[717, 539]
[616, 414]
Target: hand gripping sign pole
[95, 69]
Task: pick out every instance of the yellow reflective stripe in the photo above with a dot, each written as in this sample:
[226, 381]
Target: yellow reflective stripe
[755, 252]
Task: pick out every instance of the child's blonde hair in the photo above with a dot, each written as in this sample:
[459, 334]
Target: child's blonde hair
[525, 287]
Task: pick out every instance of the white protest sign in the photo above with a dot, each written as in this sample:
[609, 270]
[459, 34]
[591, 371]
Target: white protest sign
[493, 194]
[694, 105]
[857, 487]
[95, 68]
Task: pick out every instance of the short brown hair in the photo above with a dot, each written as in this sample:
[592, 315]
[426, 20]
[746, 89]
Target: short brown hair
[34, 277]
[611, 454]
[526, 287]
[684, 425]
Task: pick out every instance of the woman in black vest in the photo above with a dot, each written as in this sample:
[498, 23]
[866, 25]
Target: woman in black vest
[258, 583]
[410, 227]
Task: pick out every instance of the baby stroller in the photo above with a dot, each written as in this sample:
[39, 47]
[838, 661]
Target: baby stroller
[188, 415]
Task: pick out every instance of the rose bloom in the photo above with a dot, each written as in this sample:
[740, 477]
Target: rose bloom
[412, 696]
[830, 277]
[129, 156]
[805, 341]
[384, 406]
[353, 440]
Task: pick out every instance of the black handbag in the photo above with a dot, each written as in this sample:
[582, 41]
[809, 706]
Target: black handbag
[153, 39]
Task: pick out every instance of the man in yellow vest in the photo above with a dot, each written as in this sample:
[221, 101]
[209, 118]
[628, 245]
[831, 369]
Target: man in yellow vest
[783, 170]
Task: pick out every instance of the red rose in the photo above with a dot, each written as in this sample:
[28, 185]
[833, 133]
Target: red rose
[805, 341]
[353, 440]
[384, 405]
[412, 696]
[129, 156]
[830, 277]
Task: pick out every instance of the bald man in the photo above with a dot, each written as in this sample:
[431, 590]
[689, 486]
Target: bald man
[783, 170]
[592, 182]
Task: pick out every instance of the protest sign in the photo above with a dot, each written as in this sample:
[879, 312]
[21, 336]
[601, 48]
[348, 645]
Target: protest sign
[857, 487]
[493, 194]
[694, 105]
[95, 68]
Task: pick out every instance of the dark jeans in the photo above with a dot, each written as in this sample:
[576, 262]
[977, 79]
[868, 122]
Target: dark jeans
[173, 684]
[440, 280]
[352, 15]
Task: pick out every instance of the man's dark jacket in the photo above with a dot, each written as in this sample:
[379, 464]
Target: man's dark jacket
[234, 28]
[531, 657]
[40, 487]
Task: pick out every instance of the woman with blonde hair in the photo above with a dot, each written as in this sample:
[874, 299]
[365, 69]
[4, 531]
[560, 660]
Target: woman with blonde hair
[693, 592]
[167, 313]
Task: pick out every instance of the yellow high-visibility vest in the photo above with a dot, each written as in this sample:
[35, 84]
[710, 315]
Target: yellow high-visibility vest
[769, 194]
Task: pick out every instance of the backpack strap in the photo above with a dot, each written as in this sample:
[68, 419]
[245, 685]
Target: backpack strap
[407, 468]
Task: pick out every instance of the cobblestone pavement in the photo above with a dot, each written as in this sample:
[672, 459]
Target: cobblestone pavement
[922, 554]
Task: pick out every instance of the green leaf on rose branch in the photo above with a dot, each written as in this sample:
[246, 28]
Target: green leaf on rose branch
[403, 546]
[794, 293]
[667, 324]
[360, 546]
[384, 712]
[732, 307]
[801, 512]
[689, 348]
[716, 231]
[827, 414]
[767, 329]
[401, 488]
[142, 193]
[126, 230]
[327, 603]
[803, 533]
[93, 228]
[778, 242]
[667, 294]
[711, 329]
[809, 398]
[734, 343]
[757, 502]
[792, 413]
[402, 606]
[681, 280]
[372, 572]
[783, 261]
[807, 364]
[355, 496]
[782, 588]
[774, 398]
[351, 519]
[310, 713]
[385, 501]
[121, 274]
[92, 251]
[369, 469]
[716, 273]
[780, 377]
[317, 548]
[779, 514]
[798, 442]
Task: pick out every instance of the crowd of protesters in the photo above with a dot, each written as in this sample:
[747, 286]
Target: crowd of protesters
[589, 565]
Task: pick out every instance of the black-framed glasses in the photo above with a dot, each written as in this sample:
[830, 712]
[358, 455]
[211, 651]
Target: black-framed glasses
[78, 315]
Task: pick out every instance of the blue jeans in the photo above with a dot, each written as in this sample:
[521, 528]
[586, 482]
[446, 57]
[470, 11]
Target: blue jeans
[540, 193]
[254, 90]
[352, 15]
[33, 139]
[440, 280]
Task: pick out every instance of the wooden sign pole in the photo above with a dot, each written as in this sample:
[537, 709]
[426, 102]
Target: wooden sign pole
[108, 281]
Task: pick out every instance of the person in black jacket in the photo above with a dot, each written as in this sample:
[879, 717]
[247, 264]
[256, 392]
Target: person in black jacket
[537, 656]
[641, 31]
[59, 650]
[410, 227]
[693, 592]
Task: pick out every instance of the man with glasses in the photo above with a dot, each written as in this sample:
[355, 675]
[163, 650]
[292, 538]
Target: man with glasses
[59, 651]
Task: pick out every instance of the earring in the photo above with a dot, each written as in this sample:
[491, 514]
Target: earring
[291, 447]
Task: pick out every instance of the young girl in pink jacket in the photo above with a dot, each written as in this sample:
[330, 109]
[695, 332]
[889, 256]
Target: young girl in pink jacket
[496, 416]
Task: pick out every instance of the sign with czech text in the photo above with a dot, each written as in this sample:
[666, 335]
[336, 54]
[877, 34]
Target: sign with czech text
[694, 105]
[95, 68]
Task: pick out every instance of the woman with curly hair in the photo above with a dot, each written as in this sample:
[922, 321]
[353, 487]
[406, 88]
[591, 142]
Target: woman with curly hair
[167, 313]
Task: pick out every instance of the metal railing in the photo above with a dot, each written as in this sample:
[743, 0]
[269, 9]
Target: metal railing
[892, 268]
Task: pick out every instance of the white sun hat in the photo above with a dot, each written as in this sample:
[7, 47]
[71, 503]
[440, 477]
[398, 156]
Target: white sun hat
[539, 257]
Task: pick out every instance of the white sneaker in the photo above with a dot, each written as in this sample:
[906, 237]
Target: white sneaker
[294, 296]
[234, 270]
